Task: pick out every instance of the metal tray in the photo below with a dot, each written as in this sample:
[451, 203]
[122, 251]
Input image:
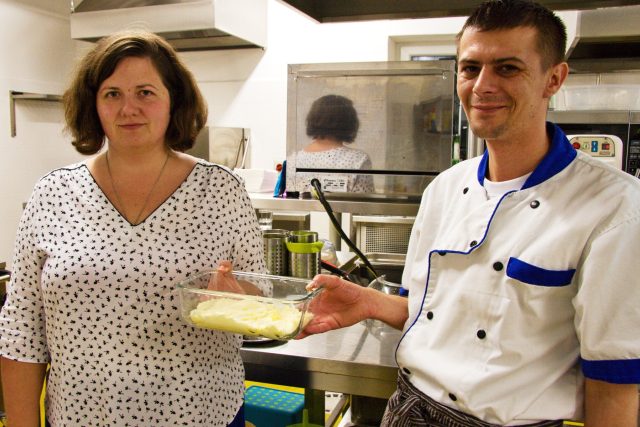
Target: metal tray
[388, 264]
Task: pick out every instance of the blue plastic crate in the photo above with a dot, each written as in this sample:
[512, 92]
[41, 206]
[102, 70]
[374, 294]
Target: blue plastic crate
[268, 407]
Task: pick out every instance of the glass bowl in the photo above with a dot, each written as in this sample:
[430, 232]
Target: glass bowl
[376, 327]
[254, 305]
[383, 285]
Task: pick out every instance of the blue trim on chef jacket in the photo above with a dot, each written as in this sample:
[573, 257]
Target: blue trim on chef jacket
[625, 371]
[449, 251]
[534, 275]
[560, 154]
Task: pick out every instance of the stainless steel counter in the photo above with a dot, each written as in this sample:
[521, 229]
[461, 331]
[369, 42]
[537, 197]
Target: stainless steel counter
[352, 360]
[369, 207]
[359, 361]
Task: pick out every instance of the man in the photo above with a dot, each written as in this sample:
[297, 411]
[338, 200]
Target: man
[521, 269]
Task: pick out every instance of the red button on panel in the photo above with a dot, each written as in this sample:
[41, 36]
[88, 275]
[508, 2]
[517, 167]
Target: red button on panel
[576, 145]
[606, 146]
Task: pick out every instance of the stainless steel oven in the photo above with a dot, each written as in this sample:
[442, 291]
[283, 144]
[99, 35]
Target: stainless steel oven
[621, 123]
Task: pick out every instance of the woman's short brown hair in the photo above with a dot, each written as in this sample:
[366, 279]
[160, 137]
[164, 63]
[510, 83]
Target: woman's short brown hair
[188, 109]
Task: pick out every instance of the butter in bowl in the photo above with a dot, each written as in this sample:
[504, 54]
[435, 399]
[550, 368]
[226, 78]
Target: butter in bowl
[250, 304]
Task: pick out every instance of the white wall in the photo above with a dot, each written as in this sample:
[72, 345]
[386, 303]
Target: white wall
[36, 57]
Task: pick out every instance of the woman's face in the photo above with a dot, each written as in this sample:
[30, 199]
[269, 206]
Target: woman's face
[134, 105]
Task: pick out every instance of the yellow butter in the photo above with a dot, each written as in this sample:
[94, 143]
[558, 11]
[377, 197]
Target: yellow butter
[249, 317]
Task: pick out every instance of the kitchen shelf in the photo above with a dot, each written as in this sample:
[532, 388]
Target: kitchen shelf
[27, 96]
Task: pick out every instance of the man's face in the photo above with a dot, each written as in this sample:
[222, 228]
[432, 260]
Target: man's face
[501, 84]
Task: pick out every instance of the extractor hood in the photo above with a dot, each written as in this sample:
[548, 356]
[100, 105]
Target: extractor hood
[607, 40]
[607, 32]
[364, 10]
[186, 24]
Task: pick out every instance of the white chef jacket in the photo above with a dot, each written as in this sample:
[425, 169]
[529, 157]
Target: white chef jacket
[513, 299]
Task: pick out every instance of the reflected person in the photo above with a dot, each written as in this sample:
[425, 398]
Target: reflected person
[332, 123]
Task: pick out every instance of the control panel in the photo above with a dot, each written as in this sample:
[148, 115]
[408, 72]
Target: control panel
[633, 157]
[607, 148]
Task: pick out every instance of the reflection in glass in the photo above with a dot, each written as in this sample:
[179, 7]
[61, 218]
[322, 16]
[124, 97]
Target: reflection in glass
[405, 123]
[332, 123]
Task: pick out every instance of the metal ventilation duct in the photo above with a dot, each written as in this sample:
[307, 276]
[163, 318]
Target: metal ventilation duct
[186, 24]
[607, 40]
[608, 36]
[361, 10]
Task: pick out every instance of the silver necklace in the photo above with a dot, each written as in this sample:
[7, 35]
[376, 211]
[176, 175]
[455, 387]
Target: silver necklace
[146, 200]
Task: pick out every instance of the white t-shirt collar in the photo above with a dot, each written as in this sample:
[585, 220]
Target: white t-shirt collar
[497, 189]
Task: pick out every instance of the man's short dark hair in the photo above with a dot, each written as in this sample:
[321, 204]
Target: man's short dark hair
[508, 14]
[333, 116]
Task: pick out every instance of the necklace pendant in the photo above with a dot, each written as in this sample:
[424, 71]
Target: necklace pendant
[136, 221]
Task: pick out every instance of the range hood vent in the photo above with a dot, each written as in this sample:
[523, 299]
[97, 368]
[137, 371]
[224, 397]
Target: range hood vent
[607, 40]
[366, 10]
[186, 24]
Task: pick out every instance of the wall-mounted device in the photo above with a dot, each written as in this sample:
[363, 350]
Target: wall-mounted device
[607, 148]
[625, 125]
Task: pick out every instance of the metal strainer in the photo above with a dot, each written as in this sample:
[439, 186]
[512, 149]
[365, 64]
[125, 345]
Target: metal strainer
[275, 251]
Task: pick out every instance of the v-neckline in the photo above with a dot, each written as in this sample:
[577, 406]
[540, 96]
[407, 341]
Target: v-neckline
[156, 209]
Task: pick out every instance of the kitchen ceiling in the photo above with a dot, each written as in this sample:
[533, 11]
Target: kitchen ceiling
[361, 10]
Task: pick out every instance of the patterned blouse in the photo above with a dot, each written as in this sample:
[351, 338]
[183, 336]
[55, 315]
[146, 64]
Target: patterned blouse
[336, 158]
[95, 297]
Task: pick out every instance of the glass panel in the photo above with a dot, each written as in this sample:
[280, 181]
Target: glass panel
[388, 124]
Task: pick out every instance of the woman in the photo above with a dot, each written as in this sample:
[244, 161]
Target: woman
[102, 244]
[332, 122]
